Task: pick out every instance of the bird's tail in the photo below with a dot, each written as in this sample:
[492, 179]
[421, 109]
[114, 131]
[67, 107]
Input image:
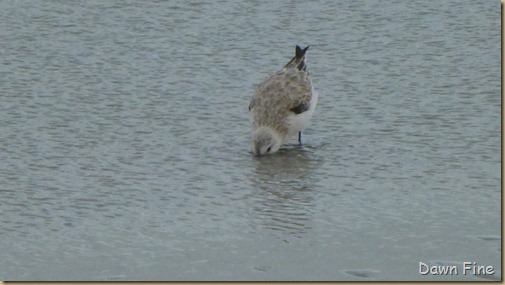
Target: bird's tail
[298, 60]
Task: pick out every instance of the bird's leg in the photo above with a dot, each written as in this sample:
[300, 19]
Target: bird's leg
[300, 137]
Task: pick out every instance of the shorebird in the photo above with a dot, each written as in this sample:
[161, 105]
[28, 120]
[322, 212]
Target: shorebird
[282, 105]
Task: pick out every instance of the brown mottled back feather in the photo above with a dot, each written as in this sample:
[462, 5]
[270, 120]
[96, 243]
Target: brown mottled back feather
[286, 91]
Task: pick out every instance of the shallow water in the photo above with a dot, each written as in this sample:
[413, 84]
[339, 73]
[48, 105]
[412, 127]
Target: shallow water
[124, 141]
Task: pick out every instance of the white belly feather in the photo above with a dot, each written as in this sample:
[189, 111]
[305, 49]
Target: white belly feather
[297, 122]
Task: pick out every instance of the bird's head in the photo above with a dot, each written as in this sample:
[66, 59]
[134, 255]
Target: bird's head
[265, 141]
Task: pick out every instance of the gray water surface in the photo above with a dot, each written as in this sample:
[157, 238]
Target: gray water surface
[125, 137]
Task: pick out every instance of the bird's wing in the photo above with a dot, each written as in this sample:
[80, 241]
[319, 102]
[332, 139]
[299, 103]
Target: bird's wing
[297, 89]
[285, 91]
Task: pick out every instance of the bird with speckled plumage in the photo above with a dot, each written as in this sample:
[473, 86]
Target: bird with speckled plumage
[282, 105]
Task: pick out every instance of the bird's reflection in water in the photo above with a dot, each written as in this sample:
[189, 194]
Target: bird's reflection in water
[283, 199]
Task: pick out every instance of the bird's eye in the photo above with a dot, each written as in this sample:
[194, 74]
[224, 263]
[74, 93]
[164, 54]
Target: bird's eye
[269, 149]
